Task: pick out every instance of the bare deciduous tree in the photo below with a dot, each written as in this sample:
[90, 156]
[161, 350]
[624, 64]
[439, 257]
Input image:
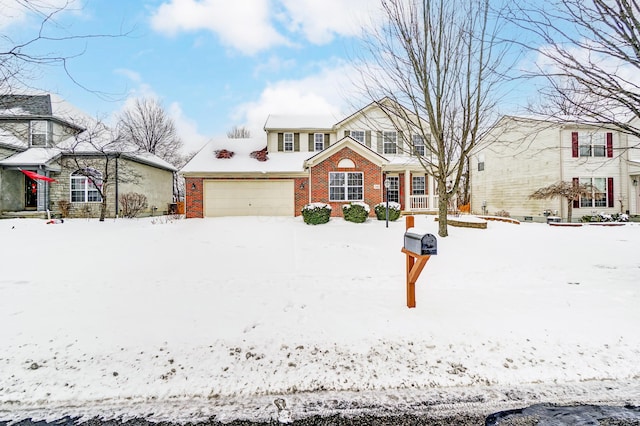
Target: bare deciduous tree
[147, 125]
[95, 154]
[438, 61]
[570, 191]
[239, 132]
[22, 57]
[589, 52]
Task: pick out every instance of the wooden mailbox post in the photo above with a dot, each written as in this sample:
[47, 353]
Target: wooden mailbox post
[415, 264]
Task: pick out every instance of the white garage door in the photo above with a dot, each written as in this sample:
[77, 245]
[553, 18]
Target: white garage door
[248, 198]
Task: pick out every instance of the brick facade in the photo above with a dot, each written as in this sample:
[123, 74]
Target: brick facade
[372, 175]
[194, 197]
[301, 189]
[306, 190]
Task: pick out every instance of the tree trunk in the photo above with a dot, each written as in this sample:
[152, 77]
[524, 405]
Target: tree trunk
[569, 210]
[103, 209]
[443, 204]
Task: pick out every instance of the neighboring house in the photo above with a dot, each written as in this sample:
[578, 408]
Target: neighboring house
[42, 134]
[305, 159]
[522, 154]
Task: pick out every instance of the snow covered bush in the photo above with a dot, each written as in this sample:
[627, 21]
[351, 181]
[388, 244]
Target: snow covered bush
[316, 213]
[605, 217]
[357, 212]
[381, 211]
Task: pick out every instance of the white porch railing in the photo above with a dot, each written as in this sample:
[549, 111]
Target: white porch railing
[422, 203]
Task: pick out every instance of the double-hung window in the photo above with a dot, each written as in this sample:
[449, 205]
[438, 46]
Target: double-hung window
[346, 186]
[592, 144]
[83, 189]
[358, 135]
[390, 141]
[418, 145]
[418, 185]
[393, 192]
[39, 133]
[598, 196]
[288, 142]
[318, 141]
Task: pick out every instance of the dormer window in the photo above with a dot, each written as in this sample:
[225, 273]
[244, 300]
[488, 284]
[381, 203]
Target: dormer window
[39, 134]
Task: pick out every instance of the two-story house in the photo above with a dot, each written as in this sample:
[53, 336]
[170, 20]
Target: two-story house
[41, 137]
[523, 154]
[306, 159]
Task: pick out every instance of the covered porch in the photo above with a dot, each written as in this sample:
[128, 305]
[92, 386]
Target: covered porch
[414, 189]
[25, 190]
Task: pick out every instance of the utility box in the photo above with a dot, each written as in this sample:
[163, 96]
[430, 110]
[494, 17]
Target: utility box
[554, 219]
[420, 243]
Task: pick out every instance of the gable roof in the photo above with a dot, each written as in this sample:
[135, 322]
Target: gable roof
[346, 142]
[379, 104]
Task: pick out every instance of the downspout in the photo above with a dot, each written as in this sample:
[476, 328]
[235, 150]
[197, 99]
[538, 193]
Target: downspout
[117, 206]
[562, 200]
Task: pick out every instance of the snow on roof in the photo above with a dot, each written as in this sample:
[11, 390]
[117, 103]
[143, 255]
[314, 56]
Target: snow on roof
[401, 160]
[242, 162]
[324, 122]
[9, 139]
[32, 157]
[151, 159]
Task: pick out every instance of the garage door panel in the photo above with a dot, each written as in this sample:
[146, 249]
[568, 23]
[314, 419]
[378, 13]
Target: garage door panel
[249, 198]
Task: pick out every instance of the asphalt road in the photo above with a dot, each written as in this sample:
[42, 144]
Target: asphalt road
[541, 414]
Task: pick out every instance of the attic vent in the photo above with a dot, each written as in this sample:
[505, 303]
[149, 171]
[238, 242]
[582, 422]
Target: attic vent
[223, 153]
[260, 155]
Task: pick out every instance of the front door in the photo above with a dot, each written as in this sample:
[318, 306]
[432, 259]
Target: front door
[30, 194]
[394, 189]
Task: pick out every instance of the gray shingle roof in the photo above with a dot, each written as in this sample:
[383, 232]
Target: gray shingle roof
[27, 105]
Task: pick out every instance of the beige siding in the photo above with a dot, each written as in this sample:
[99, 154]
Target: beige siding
[156, 184]
[519, 158]
[272, 139]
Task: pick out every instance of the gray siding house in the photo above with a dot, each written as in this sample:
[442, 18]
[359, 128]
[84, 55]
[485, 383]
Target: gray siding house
[53, 156]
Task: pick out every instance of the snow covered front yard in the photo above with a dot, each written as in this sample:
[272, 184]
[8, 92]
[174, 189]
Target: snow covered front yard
[186, 319]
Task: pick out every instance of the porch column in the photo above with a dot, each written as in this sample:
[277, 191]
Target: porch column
[407, 190]
[432, 192]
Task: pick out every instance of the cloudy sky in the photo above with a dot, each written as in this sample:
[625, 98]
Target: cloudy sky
[213, 63]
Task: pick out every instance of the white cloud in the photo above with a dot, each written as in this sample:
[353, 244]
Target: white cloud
[327, 92]
[240, 24]
[249, 25]
[130, 74]
[320, 21]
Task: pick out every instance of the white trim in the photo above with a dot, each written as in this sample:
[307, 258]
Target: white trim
[87, 188]
[345, 186]
[284, 142]
[315, 141]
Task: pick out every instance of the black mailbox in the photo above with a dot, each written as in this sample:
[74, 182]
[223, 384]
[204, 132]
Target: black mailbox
[420, 243]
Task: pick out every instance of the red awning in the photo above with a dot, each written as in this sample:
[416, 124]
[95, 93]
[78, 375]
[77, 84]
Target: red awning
[35, 176]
